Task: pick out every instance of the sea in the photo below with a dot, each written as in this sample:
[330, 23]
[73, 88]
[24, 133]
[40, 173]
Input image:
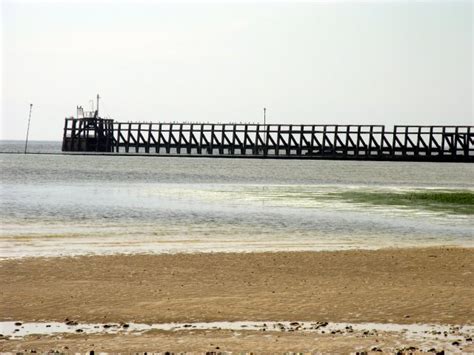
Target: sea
[67, 205]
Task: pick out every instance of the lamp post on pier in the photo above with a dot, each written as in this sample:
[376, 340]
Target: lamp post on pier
[265, 131]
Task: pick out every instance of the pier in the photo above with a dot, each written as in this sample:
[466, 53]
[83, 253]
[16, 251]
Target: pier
[357, 142]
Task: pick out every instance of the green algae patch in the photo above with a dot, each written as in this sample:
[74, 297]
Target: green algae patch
[461, 202]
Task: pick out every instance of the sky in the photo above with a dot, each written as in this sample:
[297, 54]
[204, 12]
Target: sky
[340, 62]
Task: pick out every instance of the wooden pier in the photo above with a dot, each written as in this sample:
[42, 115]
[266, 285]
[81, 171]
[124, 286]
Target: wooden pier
[356, 142]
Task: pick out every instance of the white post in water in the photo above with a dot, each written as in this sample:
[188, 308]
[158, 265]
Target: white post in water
[28, 129]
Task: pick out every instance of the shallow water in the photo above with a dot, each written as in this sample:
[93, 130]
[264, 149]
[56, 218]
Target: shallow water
[72, 205]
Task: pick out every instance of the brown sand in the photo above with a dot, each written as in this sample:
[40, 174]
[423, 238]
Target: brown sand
[225, 341]
[433, 285]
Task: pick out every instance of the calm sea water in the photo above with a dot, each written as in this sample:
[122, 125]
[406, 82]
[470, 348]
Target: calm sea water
[73, 205]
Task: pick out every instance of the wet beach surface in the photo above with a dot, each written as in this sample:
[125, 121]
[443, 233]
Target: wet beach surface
[222, 337]
[390, 286]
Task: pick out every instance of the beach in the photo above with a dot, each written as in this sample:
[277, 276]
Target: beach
[243, 177]
[135, 254]
[399, 286]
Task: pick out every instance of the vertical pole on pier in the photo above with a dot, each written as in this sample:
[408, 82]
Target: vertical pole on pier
[28, 128]
[129, 133]
[264, 120]
[73, 135]
[455, 141]
[147, 148]
[119, 134]
[264, 131]
[64, 146]
[201, 139]
[212, 140]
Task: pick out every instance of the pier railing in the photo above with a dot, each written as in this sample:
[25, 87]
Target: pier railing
[365, 142]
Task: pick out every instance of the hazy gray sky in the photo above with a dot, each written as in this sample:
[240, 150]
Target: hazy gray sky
[398, 62]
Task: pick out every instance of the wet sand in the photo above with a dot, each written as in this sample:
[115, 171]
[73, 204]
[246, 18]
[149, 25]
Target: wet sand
[236, 336]
[231, 341]
[431, 285]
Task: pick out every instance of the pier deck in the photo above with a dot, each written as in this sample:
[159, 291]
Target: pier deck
[358, 142]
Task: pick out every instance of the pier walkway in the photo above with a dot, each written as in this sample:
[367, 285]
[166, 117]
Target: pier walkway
[356, 142]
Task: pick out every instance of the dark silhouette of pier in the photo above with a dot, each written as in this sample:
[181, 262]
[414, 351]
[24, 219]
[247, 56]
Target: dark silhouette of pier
[354, 142]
